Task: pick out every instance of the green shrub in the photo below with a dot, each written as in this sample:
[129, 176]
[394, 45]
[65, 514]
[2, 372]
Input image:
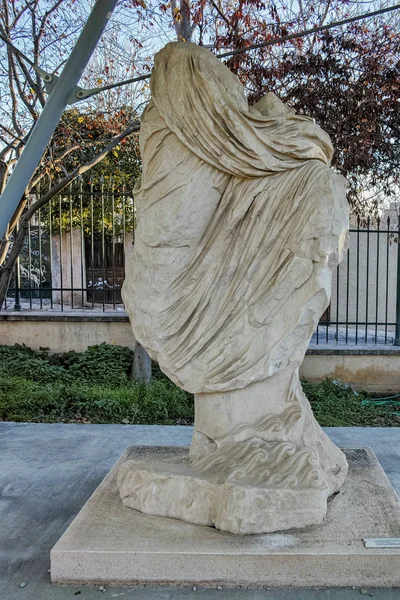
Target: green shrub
[95, 386]
[101, 364]
[104, 363]
[21, 361]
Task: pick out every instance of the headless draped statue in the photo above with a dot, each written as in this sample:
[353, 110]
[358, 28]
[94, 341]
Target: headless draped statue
[240, 223]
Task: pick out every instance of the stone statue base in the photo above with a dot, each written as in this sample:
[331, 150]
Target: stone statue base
[110, 544]
[249, 471]
[175, 490]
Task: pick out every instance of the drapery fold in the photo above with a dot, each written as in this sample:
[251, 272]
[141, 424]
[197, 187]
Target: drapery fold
[204, 105]
[240, 222]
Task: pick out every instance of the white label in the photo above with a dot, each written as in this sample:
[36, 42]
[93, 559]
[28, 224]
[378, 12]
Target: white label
[381, 542]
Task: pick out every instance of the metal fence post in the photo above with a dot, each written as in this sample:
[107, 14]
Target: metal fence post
[397, 336]
[17, 299]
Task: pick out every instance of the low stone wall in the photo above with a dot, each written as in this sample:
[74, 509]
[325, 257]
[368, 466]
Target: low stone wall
[65, 331]
[373, 368]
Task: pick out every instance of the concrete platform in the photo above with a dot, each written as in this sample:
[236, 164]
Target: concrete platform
[41, 493]
[108, 543]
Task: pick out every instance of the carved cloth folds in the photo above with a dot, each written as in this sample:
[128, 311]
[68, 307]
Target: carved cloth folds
[238, 217]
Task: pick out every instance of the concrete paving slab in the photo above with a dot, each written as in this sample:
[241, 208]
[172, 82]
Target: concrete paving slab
[48, 471]
[72, 592]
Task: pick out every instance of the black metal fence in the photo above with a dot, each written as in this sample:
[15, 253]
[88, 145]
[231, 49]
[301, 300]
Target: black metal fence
[364, 306]
[74, 259]
[73, 256]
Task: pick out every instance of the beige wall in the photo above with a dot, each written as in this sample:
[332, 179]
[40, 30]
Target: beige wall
[380, 280]
[375, 372]
[63, 335]
[369, 372]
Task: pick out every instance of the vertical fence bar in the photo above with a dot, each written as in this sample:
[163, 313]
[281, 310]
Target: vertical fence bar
[29, 260]
[51, 250]
[40, 258]
[397, 335]
[6, 298]
[123, 220]
[92, 239]
[61, 252]
[71, 251]
[103, 250]
[113, 239]
[357, 279]
[367, 284]
[82, 241]
[347, 293]
[133, 218]
[387, 278]
[377, 279]
[337, 302]
[328, 318]
[17, 297]
[124, 227]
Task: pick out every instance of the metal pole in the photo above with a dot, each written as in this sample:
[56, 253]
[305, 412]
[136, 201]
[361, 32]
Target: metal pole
[397, 336]
[17, 299]
[17, 277]
[53, 109]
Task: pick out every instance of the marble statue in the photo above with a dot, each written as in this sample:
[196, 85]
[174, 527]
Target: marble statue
[240, 223]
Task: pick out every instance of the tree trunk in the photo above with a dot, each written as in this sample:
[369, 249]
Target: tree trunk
[6, 273]
[181, 17]
[5, 277]
[141, 370]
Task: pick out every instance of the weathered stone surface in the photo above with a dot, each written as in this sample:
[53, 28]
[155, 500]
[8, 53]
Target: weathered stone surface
[240, 224]
[108, 543]
[271, 473]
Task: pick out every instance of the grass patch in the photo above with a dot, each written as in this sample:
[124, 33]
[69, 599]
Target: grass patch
[95, 386]
[337, 405]
[158, 402]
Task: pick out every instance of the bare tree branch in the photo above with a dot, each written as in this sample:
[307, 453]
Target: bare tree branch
[6, 274]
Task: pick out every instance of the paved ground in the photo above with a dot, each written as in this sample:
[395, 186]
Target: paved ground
[47, 472]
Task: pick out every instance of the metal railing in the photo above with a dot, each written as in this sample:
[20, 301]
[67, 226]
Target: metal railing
[364, 306]
[74, 258]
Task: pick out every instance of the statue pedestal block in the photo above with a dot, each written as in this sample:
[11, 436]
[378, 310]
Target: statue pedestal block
[109, 543]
